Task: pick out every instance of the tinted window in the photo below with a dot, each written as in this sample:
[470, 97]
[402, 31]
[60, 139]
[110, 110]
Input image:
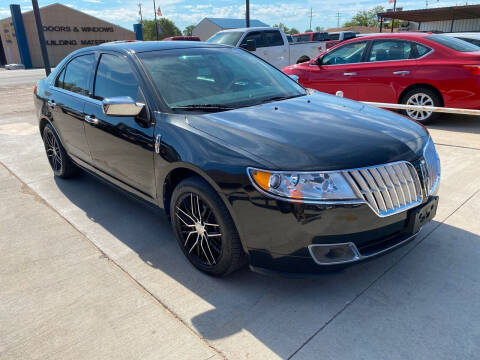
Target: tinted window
[115, 78]
[225, 76]
[257, 36]
[384, 50]
[289, 38]
[302, 38]
[453, 43]
[333, 36]
[273, 38]
[471, 41]
[227, 38]
[59, 79]
[346, 54]
[349, 35]
[422, 50]
[76, 74]
[320, 37]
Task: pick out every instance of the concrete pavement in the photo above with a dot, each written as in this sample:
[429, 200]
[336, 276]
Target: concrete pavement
[418, 302]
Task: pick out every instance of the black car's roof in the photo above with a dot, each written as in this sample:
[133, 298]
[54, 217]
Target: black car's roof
[143, 46]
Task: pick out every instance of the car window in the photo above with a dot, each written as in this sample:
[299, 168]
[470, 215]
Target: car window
[227, 38]
[76, 74]
[302, 38]
[453, 43]
[320, 37]
[273, 38]
[346, 54]
[387, 50]
[257, 36]
[471, 41]
[59, 79]
[421, 50]
[114, 77]
[225, 76]
[333, 36]
[349, 35]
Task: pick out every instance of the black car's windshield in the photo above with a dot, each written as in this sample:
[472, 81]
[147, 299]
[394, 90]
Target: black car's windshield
[216, 79]
[226, 38]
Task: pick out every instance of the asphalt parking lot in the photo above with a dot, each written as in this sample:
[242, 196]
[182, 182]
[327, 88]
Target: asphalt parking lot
[88, 272]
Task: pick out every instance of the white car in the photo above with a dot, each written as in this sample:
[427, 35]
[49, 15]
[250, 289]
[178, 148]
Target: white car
[270, 44]
[471, 37]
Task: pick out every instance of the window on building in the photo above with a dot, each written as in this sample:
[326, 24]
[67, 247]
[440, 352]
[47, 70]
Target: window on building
[114, 78]
[77, 74]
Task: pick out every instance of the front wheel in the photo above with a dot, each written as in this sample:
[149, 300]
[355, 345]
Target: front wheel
[204, 228]
[421, 97]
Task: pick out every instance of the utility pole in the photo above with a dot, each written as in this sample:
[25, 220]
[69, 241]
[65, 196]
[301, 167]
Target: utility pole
[247, 13]
[394, 8]
[41, 37]
[338, 19]
[156, 23]
[140, 13]
[311, 14]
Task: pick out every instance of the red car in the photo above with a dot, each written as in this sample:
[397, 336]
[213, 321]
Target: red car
[408, 68]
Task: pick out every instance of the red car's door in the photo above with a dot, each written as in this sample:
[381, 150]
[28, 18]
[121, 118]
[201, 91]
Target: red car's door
[389, 69]
[337, 70]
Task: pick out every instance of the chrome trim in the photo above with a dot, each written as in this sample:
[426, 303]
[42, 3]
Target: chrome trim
[401, 72]
[432, 167]
[358, 256]
[374, 197]
[350, 73]
[91, 120]
[158, 139]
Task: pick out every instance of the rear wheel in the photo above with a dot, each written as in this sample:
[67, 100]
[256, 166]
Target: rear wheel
[421, 97]
[204, 228]
[60, 162]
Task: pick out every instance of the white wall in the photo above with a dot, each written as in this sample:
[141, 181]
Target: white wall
[461, 25]
[205, 29]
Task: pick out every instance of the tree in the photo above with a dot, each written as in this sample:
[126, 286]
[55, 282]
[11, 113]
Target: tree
[167, 28]
[366, 18]
[188, 31]
[319, 29]
[293, 31]
[282, 27]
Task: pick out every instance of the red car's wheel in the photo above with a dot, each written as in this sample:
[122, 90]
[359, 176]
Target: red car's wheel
[421, 97]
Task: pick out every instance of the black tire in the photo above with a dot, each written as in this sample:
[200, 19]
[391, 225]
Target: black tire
[218, 249]
[430, 98]
[58, 158]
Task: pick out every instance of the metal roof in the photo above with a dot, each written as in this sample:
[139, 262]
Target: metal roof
[435, 14]
[234, 23]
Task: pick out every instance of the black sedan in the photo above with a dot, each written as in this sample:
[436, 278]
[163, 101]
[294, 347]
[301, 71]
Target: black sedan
[249, 166]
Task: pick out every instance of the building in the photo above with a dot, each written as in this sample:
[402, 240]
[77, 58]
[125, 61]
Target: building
[445, 19]
[65, 30]
[209, 26]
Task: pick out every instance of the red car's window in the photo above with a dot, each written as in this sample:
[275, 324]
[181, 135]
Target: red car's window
[346, 54]
[453, 43]
[388, 50]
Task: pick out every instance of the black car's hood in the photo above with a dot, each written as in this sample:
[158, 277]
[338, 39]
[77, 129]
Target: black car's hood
[316, 132]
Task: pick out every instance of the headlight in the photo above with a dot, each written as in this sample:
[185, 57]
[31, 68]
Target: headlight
[314, 186]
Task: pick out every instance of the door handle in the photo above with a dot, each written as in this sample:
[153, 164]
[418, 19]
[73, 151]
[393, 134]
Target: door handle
[402, 72]
[91, 120]
[350, 73]
[51, 103]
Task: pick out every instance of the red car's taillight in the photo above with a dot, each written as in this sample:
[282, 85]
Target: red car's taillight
[474, 69]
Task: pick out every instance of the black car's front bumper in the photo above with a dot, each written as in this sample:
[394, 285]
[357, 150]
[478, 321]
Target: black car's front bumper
[292, 238]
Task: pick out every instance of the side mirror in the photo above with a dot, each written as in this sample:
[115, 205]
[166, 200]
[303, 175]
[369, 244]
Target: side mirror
[121, 106]
[250, 45]
[294, 77]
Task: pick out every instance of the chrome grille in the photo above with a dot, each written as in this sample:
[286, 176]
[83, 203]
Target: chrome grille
[432, 164]
[389, 188]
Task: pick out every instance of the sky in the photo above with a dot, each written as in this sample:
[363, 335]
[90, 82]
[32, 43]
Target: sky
[293, 13]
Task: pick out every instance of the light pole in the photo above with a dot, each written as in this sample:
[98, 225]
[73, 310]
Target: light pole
[247, 13]
[41, 37]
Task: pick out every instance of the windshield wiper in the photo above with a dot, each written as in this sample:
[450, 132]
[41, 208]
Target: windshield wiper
[279, 98]
[204, 107]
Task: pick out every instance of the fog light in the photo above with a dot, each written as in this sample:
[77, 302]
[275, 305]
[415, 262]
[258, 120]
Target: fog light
[328, 254]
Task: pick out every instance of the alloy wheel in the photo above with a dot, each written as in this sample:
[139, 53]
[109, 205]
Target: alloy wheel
[420, 99]
[53, 151]
[200, 232]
